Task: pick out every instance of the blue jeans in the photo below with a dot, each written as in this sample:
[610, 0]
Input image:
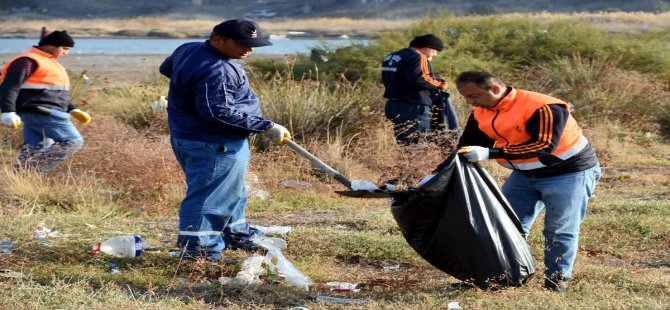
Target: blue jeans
[48, 140]
[216, 196]
[411, 122]
[565, 198]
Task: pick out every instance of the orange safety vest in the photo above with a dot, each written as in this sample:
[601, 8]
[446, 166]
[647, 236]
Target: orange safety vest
[50, 74]
[506, 124]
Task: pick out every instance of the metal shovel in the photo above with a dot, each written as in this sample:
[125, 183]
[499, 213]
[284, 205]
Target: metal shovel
[378, 193]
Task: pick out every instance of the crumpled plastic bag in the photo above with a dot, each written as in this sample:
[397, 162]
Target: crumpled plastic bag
[363, 185]
[278, 263]
[249, 274]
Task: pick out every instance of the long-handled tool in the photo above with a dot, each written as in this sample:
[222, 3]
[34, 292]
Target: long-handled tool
[377, 193]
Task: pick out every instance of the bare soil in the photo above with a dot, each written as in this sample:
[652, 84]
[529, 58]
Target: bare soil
[116, 67]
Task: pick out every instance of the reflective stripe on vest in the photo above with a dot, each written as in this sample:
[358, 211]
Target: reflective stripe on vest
[583, 142]
[49, 75]
[42, 86]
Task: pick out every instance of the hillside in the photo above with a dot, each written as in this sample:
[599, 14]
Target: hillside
[311, 8]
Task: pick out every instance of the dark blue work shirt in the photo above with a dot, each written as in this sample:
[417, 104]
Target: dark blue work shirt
[210, 99]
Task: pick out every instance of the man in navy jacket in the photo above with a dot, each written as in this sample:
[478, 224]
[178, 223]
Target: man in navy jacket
[410, 83]
[211, 113]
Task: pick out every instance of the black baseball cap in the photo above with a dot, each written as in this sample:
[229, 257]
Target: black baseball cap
[242, 31]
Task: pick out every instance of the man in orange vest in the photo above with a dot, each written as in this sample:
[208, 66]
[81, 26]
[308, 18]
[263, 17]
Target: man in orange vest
[34, 92]
[554, 166]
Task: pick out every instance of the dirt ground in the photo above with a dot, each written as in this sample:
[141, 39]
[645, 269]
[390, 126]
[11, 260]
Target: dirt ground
[118, 68]
[115, 67]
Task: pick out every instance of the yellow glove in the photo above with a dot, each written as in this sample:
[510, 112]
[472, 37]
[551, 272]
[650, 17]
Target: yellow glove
[81, 116]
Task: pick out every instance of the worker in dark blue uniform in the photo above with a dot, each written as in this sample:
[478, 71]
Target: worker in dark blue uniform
[211, 114]
[411, 89]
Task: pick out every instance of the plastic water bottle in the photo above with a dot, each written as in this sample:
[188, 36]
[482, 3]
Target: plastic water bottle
[122, 246]
[160, 105]
[162, 102]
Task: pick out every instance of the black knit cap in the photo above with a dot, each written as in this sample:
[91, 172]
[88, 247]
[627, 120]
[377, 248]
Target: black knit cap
[242, 31]
[57, 38]
[427, 40]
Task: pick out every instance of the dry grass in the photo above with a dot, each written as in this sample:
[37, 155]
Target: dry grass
[145, 26]
[165, 27]
[139, 169]
[614, 22]
[601, 91]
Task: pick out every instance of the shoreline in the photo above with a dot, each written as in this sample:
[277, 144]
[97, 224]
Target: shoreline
[309, 36]
[118, 67]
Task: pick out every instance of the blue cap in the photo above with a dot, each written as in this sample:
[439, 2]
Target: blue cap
[242, 31]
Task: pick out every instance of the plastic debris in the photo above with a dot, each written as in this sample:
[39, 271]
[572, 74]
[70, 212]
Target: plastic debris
[296, 184]
[278, 242]
[249, 274]
[173, 253]
[363, 185]
[338, 300]
[160, 105]
[453, 305]
[298, 308]
[6, 247]
[121, 246]
[343, 287]
[274, 230]
[292, 275]
[259, 193]
[392, 267]
[388, 187]
[46, 232]
[11, 274]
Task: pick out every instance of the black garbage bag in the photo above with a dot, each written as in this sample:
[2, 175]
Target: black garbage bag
[461, 223]
[443, 113]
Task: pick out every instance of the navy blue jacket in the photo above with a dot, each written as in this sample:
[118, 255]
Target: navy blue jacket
[210, 99]
[408, 77]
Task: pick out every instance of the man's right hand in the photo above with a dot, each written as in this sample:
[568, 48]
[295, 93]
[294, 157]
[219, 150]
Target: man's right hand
[10, 119]
[278, 133]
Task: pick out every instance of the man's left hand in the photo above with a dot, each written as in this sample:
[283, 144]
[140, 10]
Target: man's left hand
[81, 116]
[474, 153]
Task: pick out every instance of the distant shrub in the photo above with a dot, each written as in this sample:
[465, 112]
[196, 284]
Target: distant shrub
[613, 76]
[482, 9]
[600, 90]
[130, 103]
[314, 108]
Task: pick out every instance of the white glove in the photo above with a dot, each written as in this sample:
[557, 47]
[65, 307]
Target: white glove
[278, 133]
[424, 180]
[474, 153]
[11, 119]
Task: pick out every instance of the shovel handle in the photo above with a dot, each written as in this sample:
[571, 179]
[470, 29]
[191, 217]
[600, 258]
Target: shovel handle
[317, 162]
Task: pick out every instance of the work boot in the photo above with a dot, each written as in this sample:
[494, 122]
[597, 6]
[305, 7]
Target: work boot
[556, 284]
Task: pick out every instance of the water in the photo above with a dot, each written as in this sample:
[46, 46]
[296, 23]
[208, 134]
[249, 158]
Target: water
[116, 46]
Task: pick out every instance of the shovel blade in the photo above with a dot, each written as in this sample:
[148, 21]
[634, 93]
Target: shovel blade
[365, 194]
